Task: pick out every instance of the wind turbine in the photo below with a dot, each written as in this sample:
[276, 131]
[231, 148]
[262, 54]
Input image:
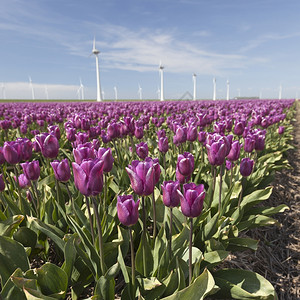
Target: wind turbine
[161, 73]
[280, 92]
[215, 89]
[158, 93]
[80, 91]
[227, 95]
[103, 94]
[46, 92]
[96, 52]
[116, 93]
[31, 86]
[194, 81]
[3, 91]
[140, 93]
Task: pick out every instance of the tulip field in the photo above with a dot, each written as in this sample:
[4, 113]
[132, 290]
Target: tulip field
[137, 200]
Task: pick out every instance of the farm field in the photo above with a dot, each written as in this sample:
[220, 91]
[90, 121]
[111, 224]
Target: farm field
[149, 200]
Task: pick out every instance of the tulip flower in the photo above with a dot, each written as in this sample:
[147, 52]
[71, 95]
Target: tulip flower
[71, 134]
[105, 154]
[142, 150]
[24, 182]
[202, 136]
[61, 170]
[216, 153]
[234, 152]
[170, 196]
[128, 210]
[81, 138]
[12, 152]
[239, 128]
[246, 166]
[281, 129]
[161, 133]
[141, 174]
[181, 134]
[185, 164]
[88, 176]
[259, 142]
[163, 145]
[48, 144]
[192, 133]
[84, 151]
[192, 200]
[139, 132]
[249, 144]
[31, 170]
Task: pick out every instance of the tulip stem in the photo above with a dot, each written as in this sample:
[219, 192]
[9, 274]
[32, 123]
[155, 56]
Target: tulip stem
[98, 222]
[117, 152]
[170, 237]
[132, 262]
[19, 188]
[220, 191]
[144, 234]
[154, 215]
[105, 193]
[144, 215]
[34, 184]
[213, 170]
[190, 250]
[90, 218]
[164, 161]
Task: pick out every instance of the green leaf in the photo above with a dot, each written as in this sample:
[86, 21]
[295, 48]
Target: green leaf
[210, 228]
[12, 256]
[26, 236]
[269, 211]
[257, 196]
[256, 221]
[240, 244]
[196, 254]
[151, 288]
[70, 255]
[241, 284]
[213, 258]
[181, 239]
[144, 257]
[123, 266]
[52, 280]
[8, 227]
[105, 288]
[198, 290]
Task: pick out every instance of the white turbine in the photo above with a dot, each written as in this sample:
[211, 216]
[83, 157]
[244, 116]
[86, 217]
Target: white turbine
[227, 95]
[280, 92]
[158, 93]
[31, 86]
[3, 90]
[80, 91]
[140, 93]
[215, 89]
[161, 73]
[116, 93]
[96, 52]
[103, 94]
[194, 81]
[46, 92]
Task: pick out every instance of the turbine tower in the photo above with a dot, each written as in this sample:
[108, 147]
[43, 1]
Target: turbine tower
[161, 72]
[96, 52]
[32, 89]
[280, 92]
[103, 94]
[116, 93]
[194, 81]
[140, 93]
[227, 96]
[215, 89]
[3, 90]
[80, 90]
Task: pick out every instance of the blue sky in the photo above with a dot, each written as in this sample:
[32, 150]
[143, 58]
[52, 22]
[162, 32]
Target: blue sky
[254, 44]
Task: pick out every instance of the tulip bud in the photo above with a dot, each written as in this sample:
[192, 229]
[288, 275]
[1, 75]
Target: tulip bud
[234, 152]
[48, 144]
[192, 133]
[12, 152]
[216, 153]
[128, 210]
[185, 164]
[61, 170]
[163, 145]
[23, 181]
[249, 144]
[142, 150]
[192, 200]
[31, 170]
[105, 154]
[281, 129]
[246, 166]
[171, 197]
[239, 128]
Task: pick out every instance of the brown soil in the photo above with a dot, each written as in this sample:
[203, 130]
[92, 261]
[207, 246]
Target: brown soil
[278, 254]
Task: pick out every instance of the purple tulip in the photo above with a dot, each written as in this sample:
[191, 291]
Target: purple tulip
[139, 132]
[249, 144]
[185, 164]
[2, 184]
[202, 136]
[171, 197]
[54, 130]
[61, 170]
[88, 176]
[142, 176]
[12, 152]
[81, 138]
[163, 144]
[216, 153]
[228, 164]
[105, 154]
[84, 151]
[23, 181]
[161, 133]
[142, 150]
[128, 210]
[71, 134]
[192, 200]
[281, 129]
[192, 133]
[246, 166]
[48, 144]
[181, 134]
[259, 142]
[234, 152]
[31, 170]
[239, 128]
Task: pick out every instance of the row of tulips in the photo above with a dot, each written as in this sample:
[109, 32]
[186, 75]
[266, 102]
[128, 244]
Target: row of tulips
[182, 148]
